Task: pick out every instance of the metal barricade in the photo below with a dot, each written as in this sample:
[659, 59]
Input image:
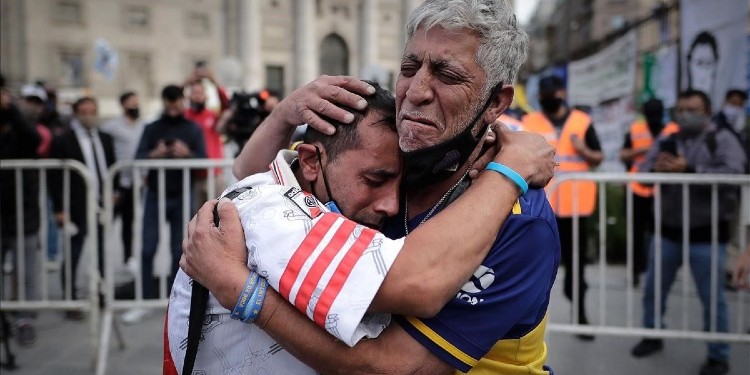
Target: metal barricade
[686, 329]
[139, 169]
[20, 302]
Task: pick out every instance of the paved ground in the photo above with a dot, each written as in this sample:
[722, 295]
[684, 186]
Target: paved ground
[65, 347]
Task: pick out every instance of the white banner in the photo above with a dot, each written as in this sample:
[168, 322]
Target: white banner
[607, 75]
[665, 75]
[712, 33]
[611, 120]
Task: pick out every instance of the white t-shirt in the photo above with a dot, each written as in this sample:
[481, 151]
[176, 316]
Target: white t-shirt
[326, 265]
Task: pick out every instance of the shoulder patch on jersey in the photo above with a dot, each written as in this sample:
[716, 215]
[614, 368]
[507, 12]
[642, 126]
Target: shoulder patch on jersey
[305, 202]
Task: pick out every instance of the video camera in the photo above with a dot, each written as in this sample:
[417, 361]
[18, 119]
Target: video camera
[248, 111]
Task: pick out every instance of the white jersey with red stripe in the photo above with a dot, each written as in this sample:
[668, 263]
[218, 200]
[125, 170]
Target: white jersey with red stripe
[329, 267]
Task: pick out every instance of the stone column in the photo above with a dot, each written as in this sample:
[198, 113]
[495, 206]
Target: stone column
[368, 34]
[305, 67]
[406, 7]
[250, 44]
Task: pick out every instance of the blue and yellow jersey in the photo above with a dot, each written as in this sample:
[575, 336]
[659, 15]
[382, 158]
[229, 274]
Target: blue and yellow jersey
[496, 323]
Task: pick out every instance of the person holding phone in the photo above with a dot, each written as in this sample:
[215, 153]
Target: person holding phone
[172, 136]
[699, 147]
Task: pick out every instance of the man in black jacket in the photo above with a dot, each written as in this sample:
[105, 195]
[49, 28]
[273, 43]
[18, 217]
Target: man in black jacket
[85, 143]
[172, 136]
[19, 140]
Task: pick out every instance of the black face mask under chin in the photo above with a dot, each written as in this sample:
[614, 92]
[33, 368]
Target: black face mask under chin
[331, 204]
[433, 164]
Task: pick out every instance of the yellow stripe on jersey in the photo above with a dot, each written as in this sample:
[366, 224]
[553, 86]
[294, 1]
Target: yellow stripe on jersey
[517, 208]
[526, 355]
[443, 343]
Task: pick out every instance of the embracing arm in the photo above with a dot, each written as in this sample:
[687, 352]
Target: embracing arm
[460, 236]
[393, 352]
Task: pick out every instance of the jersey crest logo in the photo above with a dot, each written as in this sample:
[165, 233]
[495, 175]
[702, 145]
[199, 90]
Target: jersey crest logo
[482, 278]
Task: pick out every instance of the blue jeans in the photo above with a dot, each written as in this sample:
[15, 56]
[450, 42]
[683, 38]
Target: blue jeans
[173, 213]
[700, 266]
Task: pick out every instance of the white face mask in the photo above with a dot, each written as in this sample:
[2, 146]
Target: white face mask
[735, 116]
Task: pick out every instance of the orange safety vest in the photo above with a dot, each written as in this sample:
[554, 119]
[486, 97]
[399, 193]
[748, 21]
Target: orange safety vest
[511, 122]
[640, 137]
[561, 198]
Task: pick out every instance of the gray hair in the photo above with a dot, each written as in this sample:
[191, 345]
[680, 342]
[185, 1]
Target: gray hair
[502, 45]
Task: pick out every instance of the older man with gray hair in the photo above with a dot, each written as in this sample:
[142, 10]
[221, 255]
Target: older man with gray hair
[457, 70]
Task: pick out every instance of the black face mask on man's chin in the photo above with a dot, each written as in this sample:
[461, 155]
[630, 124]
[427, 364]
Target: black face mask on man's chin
[436, 163]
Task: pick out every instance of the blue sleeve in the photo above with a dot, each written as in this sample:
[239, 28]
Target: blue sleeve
[506, 298]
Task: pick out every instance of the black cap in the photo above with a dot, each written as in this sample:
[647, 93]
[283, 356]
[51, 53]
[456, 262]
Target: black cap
[551, 84]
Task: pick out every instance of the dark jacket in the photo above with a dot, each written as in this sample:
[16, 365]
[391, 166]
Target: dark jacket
[169, 129]
[18, 140]
[66, 146]
[712, 151]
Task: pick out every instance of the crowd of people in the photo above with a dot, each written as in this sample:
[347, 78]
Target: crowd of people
[388, 176]
[36, 126]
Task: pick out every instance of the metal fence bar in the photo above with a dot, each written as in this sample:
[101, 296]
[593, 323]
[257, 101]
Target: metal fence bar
[576, 254]
[602, 253]
[686, 181]
[43, 234]
[685, 255]
[714, 255]
[22, 302]
[629, 254]
[20, 245]
[139, 168]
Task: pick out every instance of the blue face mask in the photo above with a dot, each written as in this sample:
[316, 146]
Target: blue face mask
[331, 204]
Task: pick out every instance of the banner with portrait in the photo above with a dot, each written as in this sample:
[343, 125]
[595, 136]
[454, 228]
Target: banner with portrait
[711, 33]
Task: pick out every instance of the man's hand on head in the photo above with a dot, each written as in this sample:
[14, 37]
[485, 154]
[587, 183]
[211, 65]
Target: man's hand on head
[529, 154]
[321, 99]
[213, 255]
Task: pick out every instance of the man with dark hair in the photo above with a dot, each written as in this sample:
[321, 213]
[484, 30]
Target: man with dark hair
[702, 62]
[578, 150]
[699, 147]
[85, 143]
[638, 140]
[126, 131]
[172, 136]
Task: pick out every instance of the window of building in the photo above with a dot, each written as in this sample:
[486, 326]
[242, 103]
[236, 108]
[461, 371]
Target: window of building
[334, 56]
[70, 68]
[68, 12]
[275, 78]
[137, 18]
[198, 24]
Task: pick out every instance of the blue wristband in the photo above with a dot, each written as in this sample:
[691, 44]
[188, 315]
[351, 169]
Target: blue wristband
[252, 310]
[510, 174]
[247, 292]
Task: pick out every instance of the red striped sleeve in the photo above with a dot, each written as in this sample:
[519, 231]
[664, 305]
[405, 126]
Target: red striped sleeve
[321, 264]
[339, 277]
[303, 252]
[168, 366]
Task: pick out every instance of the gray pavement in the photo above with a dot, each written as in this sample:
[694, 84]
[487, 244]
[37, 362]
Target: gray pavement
[65, 347]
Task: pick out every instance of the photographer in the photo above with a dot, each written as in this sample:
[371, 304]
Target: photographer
[172, 136]
[246, 112]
